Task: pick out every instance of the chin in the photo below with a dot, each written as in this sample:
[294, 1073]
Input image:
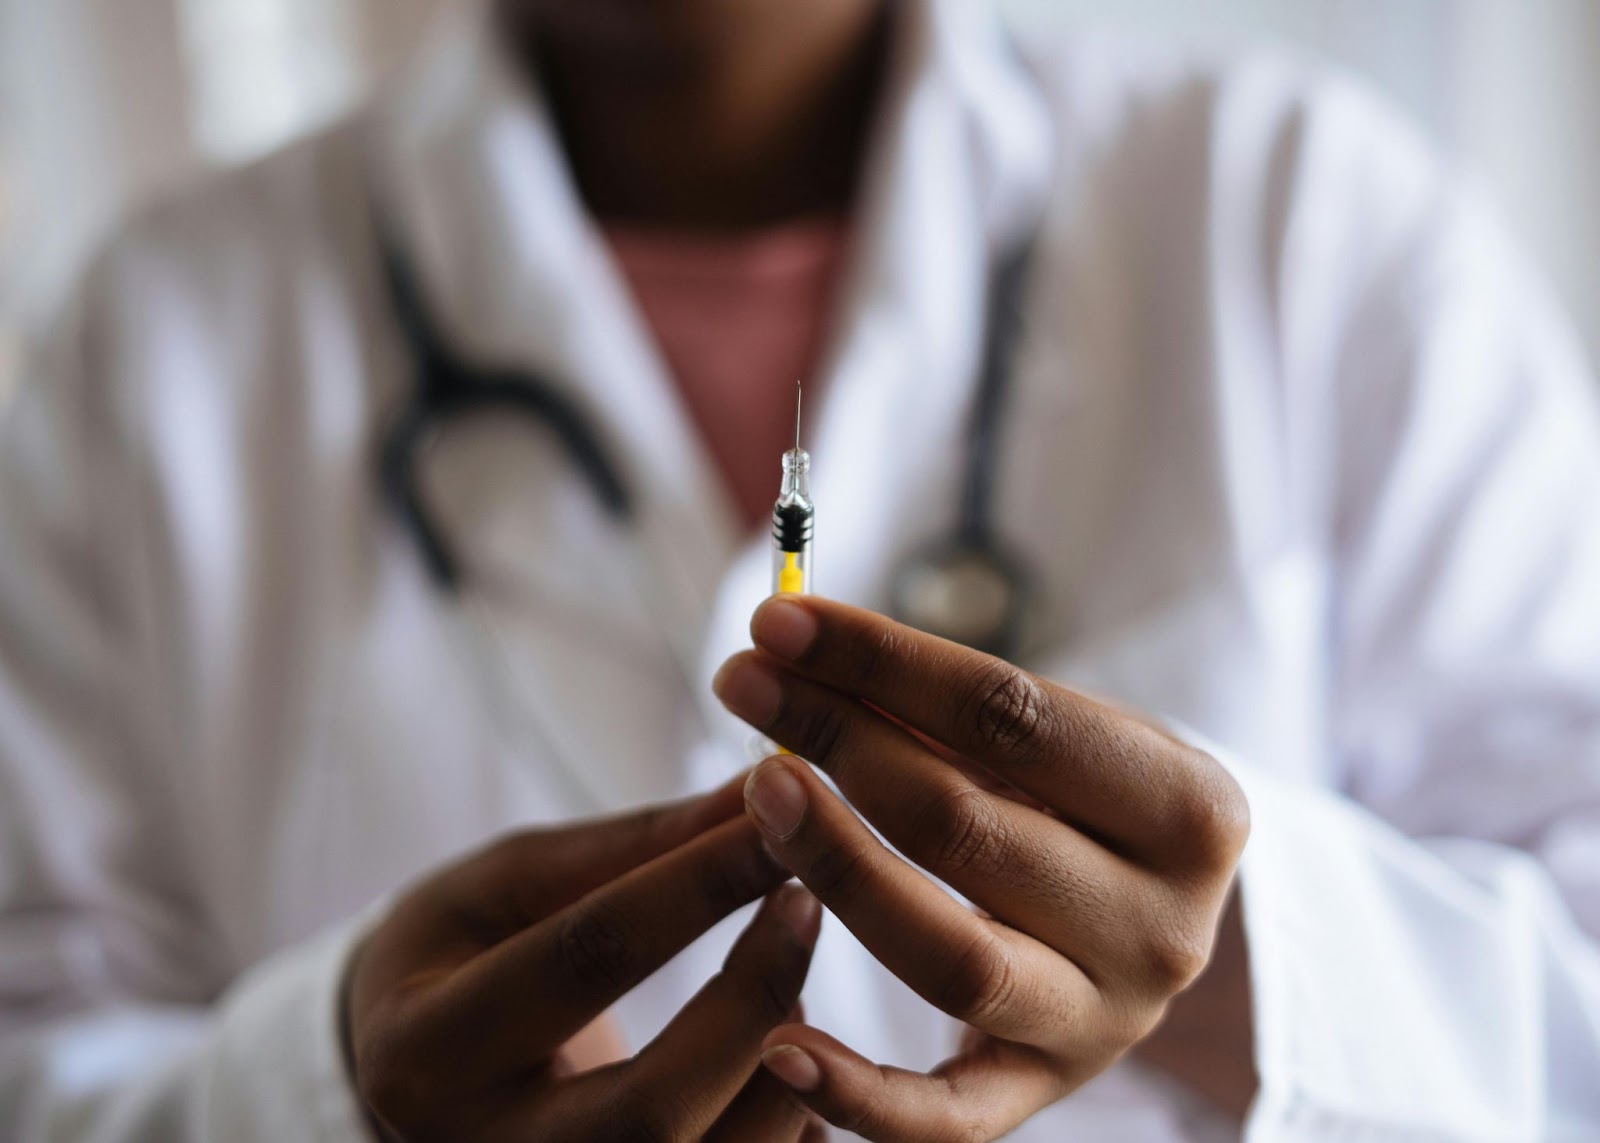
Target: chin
[634, 22]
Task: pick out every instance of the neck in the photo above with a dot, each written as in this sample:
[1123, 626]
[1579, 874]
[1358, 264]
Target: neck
[719, 115]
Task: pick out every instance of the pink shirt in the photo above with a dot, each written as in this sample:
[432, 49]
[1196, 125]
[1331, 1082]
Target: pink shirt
[738, 321]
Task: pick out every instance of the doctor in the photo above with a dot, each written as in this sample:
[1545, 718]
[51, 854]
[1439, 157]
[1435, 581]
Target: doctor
[1302, 459]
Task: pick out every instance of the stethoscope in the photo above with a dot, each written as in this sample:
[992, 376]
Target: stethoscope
[969, 585]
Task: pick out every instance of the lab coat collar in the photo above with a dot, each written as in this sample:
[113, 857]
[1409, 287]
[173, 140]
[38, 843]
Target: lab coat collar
[479, 187]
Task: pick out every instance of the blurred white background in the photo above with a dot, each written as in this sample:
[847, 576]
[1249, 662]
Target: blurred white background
[103, 101]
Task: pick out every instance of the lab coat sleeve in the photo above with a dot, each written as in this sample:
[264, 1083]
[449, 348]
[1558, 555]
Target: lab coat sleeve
[118, 1019]
[1423, 940]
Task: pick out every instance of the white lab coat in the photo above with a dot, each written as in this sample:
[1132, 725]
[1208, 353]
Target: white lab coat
[1303, 455]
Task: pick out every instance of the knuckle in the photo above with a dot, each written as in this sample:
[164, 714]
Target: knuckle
[765, 994]
[1174, 956]
[969, 1129]
[1214, 819]
[1122, 1024]
[838, 873]
[1008, 708]
[968, 1119]
[882, 650]
[775, 996]
[866, 1114]
[649, 1116]
[981, 983]
[963, 831]
[863, 1119]
[1232, 815]
[596, 949]
[727, 882]
[821, 731]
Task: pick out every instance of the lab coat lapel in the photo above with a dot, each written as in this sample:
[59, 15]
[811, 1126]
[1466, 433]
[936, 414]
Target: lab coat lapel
[473, 173]
[960, 167]
[524, 277]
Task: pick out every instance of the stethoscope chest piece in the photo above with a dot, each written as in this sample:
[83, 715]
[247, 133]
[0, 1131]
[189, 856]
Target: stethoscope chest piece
[969, 591]
[969, 587]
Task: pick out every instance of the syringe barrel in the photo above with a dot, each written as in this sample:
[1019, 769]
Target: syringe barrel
[792, 519]
[791, 571]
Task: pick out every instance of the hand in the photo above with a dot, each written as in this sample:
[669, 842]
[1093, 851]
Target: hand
[1102, 868]
[1207, 1039]
[476, 1009]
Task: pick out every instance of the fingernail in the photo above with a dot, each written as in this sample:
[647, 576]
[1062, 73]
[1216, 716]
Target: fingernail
[793, 1066]
[800, 912]
[784, 627]
[748, 690]
[776, 798]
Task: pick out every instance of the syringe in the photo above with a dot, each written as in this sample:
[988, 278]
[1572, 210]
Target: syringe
[792, 519]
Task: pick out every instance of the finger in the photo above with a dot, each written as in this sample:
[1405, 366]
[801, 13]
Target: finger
[509, 1008]
[978, 971]
[978, 1095]
[695, 1070]
[764, 1110]
[767, 1109]
[715, 1042]
[524, 877]
[1022, 866]
[1120, 778]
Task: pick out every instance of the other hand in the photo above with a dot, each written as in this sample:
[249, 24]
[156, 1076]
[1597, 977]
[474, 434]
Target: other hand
[475, 1010]
[1099, 848]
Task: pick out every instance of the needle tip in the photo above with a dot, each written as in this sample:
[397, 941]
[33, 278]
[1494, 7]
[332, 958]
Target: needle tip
[798, 394]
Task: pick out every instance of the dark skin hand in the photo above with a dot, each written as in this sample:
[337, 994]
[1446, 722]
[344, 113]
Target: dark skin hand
[1207, 1040]
[1102, 871]
[475, 1010]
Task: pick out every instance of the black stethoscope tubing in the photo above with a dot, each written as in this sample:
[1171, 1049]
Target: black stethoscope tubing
[447, 387]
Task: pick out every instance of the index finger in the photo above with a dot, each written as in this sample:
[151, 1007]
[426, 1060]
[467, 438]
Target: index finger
[509, 1008]
[1112, 775]
[524, 877]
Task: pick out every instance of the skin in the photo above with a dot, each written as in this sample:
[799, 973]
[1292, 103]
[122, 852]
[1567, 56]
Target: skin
[476, 1009]
[710, 115]
[1101, 853]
